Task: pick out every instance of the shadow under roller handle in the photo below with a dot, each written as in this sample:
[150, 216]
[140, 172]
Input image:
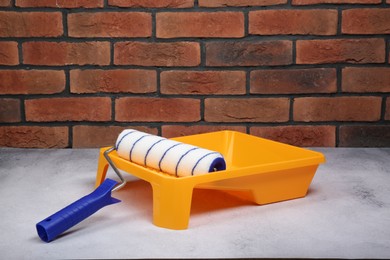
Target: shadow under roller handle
[51, 227]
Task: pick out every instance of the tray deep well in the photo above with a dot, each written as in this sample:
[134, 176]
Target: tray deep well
[262, 170]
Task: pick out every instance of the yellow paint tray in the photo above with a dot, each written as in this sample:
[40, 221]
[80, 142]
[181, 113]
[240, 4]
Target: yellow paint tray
[266, 171]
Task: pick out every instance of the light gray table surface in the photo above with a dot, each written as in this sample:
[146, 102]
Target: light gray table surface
[346, 213]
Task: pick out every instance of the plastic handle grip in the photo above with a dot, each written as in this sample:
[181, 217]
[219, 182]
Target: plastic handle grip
[51, 227]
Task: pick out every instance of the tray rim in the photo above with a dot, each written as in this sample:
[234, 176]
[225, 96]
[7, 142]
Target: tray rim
[316, 158]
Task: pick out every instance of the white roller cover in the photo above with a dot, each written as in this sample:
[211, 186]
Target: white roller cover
[167, 155]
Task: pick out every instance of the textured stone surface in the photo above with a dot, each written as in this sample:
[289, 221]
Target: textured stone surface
[343, 216]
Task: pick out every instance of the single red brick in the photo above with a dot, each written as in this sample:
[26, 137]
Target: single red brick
[291, 81]
[114, 81]
[165, 54]
[233, 3]
[60, 3]
[66, 53]
[246, 109]
[152, 3]
[316, 109]
[34, 136]
[30, 24]
[387, 112]
[9, 110]
[366, 79]
[68, 109]
[9, 53]
[5, 3]
[243, 53]
[311, 2]
[312, 22]
[202, 82]
[111, 24]
[308, 136]
[31, 81]
[200, 24]
[366, 21]
[133, 109]
[340, 51]
[170, 131]
[99, 136]
[365, 136]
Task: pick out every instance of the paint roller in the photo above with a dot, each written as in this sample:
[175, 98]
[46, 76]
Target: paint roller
[168, 156]
[162, 154]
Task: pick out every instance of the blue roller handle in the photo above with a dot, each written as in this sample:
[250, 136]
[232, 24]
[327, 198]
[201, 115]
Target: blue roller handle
[51, 227]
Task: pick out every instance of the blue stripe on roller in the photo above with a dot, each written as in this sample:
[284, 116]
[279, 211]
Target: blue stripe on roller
[201, 158]
[177, 165]
[150, 148]
[131, 150]
[119, 142]
[162, 157]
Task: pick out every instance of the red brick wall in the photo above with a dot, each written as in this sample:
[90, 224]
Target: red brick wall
[304, 72]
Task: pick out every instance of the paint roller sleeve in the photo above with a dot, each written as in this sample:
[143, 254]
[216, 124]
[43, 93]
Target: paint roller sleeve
[167, 155]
